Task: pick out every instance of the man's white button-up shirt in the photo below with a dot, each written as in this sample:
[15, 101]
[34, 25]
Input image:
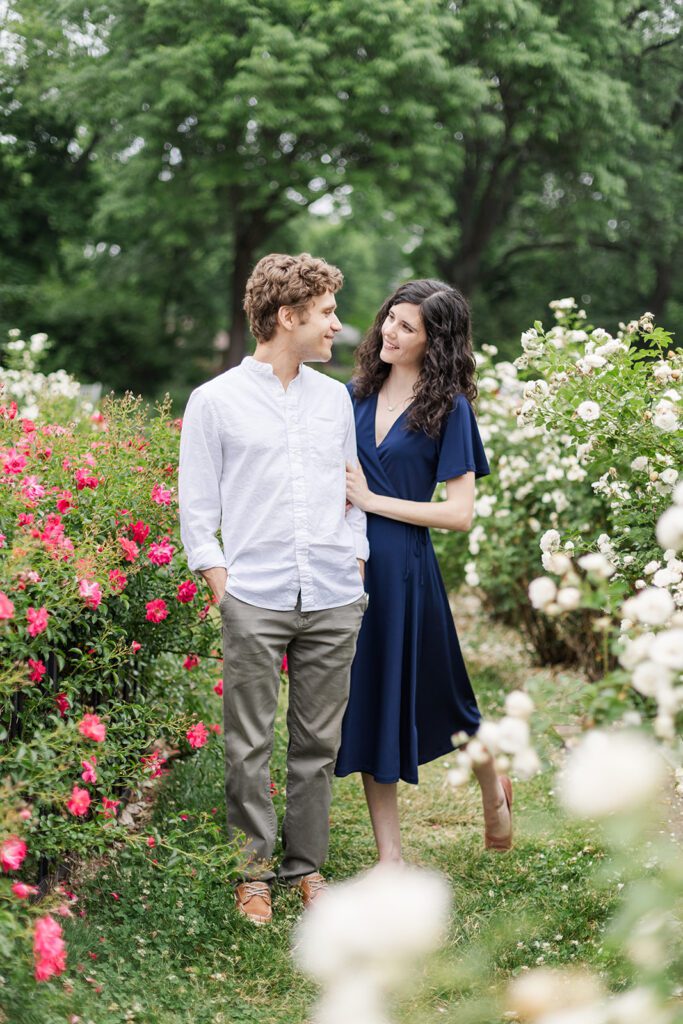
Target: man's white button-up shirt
[267, 466]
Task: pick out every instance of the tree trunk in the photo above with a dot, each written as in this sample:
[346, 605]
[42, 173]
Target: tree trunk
[238, 324]
[662, 287]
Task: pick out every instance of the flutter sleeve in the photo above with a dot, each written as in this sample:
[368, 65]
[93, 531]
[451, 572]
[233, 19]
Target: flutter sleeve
[461, 449]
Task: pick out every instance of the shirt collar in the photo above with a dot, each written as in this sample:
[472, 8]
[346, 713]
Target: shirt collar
[265, 369]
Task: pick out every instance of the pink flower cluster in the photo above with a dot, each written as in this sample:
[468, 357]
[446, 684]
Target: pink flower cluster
[197, 735]
[12, 853]
[49, 948]
[92, 728]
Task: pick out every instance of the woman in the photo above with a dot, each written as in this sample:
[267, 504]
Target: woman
[415, 427]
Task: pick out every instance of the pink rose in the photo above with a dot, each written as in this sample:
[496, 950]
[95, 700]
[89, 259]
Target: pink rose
[49, 948]
[218, 688]
[89, 774]
[129, 548]
[109, 807]
[23, 891]
[117, 580]
[191, 661]
[12, 853]
[197, 735]
[13, 461]
[161, 552]
[135, 646]
[186, 591]
[161, 495]
[79, 801]
[91, 592]
[37, 668]
[156, 610]
[139, 531]
[92, 728]
[6, 607]
[62, 702]
[37, 620]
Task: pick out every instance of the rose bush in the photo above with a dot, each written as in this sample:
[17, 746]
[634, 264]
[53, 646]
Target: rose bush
[109, 649]
[582, 434]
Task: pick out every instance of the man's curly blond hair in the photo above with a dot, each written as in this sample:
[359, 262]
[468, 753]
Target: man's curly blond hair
[280, 280]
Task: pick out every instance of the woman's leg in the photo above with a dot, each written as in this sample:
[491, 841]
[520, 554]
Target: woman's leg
[382, 801]
[497, 818]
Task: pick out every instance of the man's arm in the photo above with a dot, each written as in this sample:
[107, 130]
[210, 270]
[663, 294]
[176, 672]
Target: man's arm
[354, 517]
[199, 495]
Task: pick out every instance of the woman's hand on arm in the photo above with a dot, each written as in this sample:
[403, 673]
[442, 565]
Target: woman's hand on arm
[455, 513]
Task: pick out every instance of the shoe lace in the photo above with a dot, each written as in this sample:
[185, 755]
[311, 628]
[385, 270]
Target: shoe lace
[249, 889]
[315, 884]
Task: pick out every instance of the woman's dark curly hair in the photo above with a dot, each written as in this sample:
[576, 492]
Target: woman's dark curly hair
[449, 367]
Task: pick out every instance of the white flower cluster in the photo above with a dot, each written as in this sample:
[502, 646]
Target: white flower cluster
[23, 384]
[506, 741]
[361, 938]
[571, 996]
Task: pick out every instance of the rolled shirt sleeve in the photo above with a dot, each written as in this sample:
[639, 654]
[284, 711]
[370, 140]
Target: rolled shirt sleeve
[199, 485]
[355, 517]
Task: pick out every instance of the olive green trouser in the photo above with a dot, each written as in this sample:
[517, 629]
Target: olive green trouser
[320, 647]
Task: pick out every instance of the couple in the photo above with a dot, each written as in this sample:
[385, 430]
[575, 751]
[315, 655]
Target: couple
[323, 558]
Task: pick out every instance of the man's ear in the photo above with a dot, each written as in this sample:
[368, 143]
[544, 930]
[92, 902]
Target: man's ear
[287, 318]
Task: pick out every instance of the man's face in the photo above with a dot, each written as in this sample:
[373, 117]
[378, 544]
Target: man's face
[316, 329]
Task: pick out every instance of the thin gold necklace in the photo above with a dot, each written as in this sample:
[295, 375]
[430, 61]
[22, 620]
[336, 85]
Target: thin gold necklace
[402, 402]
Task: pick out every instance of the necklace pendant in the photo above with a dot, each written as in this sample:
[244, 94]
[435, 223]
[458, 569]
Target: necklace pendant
[391, 407]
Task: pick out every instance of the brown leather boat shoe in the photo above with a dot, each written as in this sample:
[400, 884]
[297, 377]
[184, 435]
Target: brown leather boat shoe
[311, 887]
[253, 902]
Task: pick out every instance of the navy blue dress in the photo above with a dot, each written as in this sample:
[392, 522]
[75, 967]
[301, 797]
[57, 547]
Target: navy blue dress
[409, 686]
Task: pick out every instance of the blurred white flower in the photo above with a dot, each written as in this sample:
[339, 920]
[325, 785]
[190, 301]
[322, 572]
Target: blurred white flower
[651, 567]
[550, 541]
[669, 476]
[542, 591]
[649, 678]
[588, 411]
[569, 598]
[665, 418]
[596, 563]
[636, 650]
[526, 763]
[670, 526]
[556, 562]
[652, 605]
[513, 735]
[666, 577]
[519, 704]
[611, 773]
[534, 994]
[662, 372]
[667, 648]
[640, 464]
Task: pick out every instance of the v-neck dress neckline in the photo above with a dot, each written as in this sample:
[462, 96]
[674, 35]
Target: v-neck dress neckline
[374, 420]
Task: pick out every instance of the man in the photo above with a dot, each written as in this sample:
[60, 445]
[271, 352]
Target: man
[262, 456]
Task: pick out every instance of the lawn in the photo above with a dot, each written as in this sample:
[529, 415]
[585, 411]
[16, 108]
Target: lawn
[160, 948]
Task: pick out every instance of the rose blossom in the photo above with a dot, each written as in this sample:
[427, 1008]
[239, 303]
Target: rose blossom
[117, 580]
[49, 949]
[588, 411]
[109, 807]
[670, 528]
[610, 773]
[191, 661]
[652, 605]
[37, 620]
[23, 891]
[156, 610]
[13, 461]
[542, 591]
[89, 774]
[197, 735]
[186, 591]
[91, 593]
[12, 853]
[6, 607]
[139, 531]
[667, 648]
[218, 688]
[161, 495]
[161, 552]
[92, 728]
[129, 548]
[79, 801]
[62, 702]
[37, 668]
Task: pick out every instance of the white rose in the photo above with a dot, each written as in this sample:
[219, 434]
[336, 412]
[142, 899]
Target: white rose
[667, 648]
[670, 526]
[550, 541]
[651, 605]
[519, 704]
[678, 493]
[556, 562]
[666, 577]
[611, 773]
[669, 476]
[542, 591]
[597, 563]
[588, 411]
[513, 735]
[648, 678]
[636, 650]
[569, 598]
[666, 420]
[651, 567]
[640, 464]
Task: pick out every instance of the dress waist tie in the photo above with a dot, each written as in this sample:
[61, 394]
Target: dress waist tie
[415, 544]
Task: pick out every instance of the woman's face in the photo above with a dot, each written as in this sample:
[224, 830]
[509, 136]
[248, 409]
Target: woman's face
[404, 338]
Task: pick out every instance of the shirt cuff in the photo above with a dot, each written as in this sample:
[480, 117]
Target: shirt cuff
[361, 546]
[208, 556]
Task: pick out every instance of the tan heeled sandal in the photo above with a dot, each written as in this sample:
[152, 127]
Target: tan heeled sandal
[501, 842]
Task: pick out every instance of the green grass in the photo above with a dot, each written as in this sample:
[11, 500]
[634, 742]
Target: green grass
[172, 950]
